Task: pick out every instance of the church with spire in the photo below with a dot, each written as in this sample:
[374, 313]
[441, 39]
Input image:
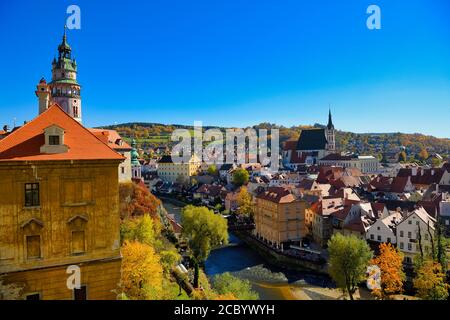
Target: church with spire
[312, 145]
[63, 89]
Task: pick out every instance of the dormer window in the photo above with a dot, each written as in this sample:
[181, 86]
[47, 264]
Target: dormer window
[54, 140]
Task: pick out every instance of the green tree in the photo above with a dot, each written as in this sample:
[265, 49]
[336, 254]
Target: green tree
[430, 281]
[204, 231]
[226, 283]
[143, 229]
[212, 170]
[240, 177]
[349, 258]
[441, 247]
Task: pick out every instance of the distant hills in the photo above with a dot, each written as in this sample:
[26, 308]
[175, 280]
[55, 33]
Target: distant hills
[155, 134]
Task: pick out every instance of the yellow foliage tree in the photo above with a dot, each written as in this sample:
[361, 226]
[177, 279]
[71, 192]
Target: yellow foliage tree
[430, 282]
[244, 201]
[142, 273]
[390, 262]
[226, 296]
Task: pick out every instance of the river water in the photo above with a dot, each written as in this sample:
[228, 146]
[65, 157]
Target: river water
[271, 282]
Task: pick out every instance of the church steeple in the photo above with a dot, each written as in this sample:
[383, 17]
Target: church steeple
[330, 121]
[330, 134]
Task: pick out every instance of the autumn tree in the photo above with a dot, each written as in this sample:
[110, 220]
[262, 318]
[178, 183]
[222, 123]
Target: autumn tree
[430, 281]
[226, 284]
[402, 156]
[142, 273]
[390, 262]
[349, 258]
[136, 200]
[423, 155]
[226, 296]
[204, 231]
[245, 203]
[240, 177]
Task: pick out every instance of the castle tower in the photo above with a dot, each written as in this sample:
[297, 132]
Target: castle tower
[43, 94]
[64, 88]
[330, 134]
[135, 164]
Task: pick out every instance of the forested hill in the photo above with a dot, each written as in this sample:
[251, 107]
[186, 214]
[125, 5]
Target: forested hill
[155, 134]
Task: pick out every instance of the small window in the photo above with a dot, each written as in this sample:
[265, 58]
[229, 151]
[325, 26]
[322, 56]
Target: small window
[379, 238]
[53, 140]
[409, 246]
[372, 237]
[31, 194]
[409, 235]
[401, 233]
[122, 170]
[389, 240]
[401, 245]
[33, 296]
[78, 242]
[409, 222]
[33, 247]
[80, 294]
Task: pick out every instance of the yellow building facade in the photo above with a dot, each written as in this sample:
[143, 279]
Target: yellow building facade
[59, 208]
[279, 217]
[177, 172]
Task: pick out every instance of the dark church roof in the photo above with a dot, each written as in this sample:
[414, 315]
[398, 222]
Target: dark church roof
[312, 139]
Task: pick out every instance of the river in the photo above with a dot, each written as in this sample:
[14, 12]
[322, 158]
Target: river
[271, 282]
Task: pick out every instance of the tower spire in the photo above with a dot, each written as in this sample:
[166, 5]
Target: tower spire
[330, 120]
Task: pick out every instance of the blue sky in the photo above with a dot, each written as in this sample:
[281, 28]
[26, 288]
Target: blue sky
[238, 63]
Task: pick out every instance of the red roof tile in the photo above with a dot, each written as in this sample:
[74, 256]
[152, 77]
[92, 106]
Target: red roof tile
[24, 144]
[111, 138]
[277, 195]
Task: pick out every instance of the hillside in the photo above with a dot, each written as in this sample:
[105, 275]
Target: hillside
[151, 135]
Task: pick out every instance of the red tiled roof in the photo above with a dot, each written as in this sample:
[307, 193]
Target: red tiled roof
[210, 190]
[356, 226]
[111, 138]
[298, 159]
[290, 145]
[398, 184]
[423, 176]
[24, 143]
[277, 195]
